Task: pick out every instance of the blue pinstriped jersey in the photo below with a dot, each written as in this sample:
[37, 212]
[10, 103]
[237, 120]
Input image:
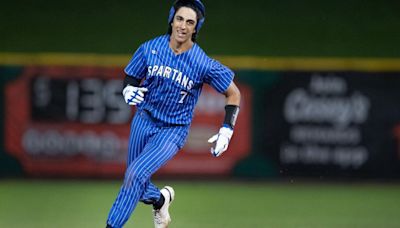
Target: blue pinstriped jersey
[175, 82]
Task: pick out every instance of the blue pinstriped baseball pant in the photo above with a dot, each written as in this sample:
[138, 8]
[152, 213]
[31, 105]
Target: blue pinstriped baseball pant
[151, 145]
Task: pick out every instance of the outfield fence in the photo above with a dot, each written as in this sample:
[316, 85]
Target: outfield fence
[62, 115]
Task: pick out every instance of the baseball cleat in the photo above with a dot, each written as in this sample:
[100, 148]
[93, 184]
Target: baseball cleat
[161, 216]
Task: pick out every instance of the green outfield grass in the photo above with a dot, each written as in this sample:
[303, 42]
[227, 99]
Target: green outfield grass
[202, 204]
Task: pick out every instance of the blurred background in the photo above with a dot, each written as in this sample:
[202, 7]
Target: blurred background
[317, 142]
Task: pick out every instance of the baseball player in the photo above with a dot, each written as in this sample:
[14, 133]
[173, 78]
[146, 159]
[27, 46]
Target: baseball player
[164, 79]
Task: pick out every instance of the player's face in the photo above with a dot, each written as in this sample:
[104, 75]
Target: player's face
[183, 25]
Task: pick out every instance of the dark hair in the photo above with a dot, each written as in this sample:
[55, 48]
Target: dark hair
[190, 4]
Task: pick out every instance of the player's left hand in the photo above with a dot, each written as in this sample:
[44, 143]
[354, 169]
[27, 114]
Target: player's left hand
[221, 140]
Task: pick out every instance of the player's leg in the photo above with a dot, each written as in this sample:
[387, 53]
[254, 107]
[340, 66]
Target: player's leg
[161, 214]
[142, 128]
[140, 132]
[160, 148]
[152, 193]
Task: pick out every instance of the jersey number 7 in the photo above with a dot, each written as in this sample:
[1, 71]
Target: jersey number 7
[183, 96]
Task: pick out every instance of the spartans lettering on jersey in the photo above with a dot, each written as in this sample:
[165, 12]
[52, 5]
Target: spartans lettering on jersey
[171, 73]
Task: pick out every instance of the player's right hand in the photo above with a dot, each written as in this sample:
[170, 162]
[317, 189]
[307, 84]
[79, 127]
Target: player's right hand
[133, 95]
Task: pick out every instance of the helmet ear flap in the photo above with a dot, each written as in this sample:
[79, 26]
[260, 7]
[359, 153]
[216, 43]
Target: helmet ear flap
[202, 9]
[199, 24]
[171, 15]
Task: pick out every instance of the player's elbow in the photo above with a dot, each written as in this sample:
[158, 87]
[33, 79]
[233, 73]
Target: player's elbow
[233, 95]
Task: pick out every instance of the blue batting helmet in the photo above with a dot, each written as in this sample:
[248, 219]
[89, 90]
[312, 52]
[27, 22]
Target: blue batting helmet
[198, 4]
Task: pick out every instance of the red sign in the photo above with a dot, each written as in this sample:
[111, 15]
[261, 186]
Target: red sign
[72, 121]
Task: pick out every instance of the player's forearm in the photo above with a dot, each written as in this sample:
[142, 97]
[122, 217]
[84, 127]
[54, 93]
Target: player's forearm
[232, 95]
[225, 133]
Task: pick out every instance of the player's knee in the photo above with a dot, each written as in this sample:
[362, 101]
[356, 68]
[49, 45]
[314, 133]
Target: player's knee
[138, 176]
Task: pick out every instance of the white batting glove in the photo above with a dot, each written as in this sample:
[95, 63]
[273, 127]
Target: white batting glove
[133, 95]
[221, 141]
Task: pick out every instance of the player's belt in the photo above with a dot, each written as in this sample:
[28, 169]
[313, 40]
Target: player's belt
[146, 114]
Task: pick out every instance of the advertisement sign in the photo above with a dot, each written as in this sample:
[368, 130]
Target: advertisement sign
[334, 123]
[73, 121]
